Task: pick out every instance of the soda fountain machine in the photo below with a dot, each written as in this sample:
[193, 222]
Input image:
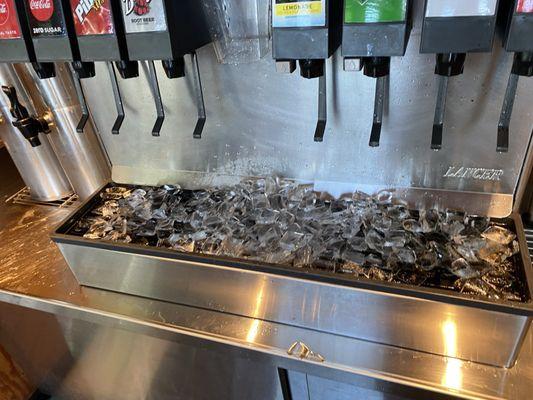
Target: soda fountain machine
[373, 32]
[518, 40]
[451, 29]
[51, 28]
[100, 33]
[167, 30]
[307, 32]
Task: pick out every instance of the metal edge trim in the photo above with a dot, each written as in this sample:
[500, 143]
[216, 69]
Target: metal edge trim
[168, 332]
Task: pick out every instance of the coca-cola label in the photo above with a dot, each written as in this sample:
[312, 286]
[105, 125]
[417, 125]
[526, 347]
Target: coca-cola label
[9, 24]
[525, 6]
[42, 10]
[45, 18]
[144, 15]
[93, 17]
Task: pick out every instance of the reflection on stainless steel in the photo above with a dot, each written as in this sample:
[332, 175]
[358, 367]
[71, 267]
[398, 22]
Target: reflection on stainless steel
[38, 166]
[80, 154]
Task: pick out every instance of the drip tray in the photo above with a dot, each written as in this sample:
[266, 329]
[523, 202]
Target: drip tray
[418, 318]
[23, 197]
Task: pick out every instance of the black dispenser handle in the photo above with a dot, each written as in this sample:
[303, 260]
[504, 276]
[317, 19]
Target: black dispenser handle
[156, 131]
[522, 66]
[448, 64]
[322, 108]
[377, 121]
[199, 94]
[118, 100]
[379, 68]
[82, 70]
[30, 127]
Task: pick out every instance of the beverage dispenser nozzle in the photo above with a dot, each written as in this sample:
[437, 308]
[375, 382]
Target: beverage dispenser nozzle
[307, 34]
[167, 31]
[447, 65]
[451, 29]
[373, 32]
[518, 40]
[29, 126]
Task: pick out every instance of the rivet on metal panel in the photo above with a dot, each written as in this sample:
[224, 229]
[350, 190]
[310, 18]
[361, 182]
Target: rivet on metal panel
[301, 350]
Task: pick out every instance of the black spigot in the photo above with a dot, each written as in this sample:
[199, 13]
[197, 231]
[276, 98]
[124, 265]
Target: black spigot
[174, 68]
[311, 69]
[44, 70]
[128, 69]
[30, 127]
[84, 70]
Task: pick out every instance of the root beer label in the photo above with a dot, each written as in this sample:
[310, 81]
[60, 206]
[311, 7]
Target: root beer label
[92, 17]
[45, 18]
[9, 24]
[144, 16]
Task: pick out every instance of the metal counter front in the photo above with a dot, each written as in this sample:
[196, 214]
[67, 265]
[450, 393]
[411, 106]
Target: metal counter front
[82, 343]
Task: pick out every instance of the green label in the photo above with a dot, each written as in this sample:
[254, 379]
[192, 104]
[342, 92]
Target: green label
[371, 11]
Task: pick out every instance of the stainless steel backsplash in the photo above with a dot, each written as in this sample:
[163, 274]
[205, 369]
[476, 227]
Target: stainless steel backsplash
[262, 123]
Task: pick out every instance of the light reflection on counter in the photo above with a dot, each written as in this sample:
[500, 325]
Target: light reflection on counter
[254, 326]
[453, 374]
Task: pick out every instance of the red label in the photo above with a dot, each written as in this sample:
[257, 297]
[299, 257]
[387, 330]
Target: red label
[9, 25]
[524, 6]
[92, 17]
[42, 10]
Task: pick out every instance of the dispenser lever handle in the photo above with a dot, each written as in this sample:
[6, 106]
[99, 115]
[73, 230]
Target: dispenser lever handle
[506, 114]
[377, 121]
[156, 131]
[200, 104]
[440, 111]
[83, 103]
[18, 111]
[322, 108]
[118, 99]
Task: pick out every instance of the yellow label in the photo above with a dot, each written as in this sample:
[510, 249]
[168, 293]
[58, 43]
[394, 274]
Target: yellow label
[300, 8]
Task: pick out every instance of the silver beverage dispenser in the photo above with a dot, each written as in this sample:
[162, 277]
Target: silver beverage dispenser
[37, 164]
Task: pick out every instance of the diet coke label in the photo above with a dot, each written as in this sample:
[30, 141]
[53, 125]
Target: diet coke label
[92, 17]
[9, 24]
[45, 18]
[144, 16]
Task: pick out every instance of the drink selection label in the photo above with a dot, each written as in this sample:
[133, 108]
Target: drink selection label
[45, 18]
[144, 16]
[461, 8]
[525, 6]
[9, 24]
[298, 13]
[372, 11]
[92, 17]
